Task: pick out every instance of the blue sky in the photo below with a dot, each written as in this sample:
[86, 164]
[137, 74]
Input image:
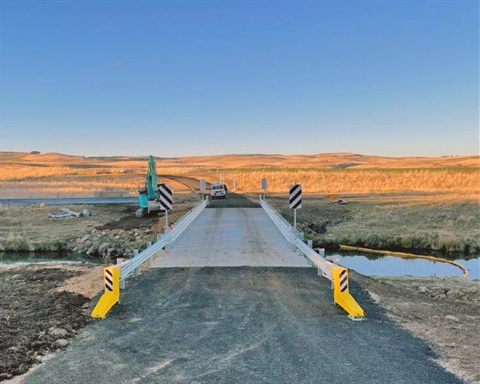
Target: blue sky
[176, 78]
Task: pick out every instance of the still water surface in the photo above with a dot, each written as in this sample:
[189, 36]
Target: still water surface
[393, 266]
[49, 257]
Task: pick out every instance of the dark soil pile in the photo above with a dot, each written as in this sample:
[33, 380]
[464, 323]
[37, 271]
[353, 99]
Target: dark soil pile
[130, 221]
[34, 319]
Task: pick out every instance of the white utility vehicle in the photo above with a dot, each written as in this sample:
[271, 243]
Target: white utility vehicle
[218, 191]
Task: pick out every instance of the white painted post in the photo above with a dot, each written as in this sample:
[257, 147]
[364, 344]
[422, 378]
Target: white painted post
[137, 270]
[295, 219]
[310, 245]
[203, 188]
[122, 281]
[150, 259]
[264, 187]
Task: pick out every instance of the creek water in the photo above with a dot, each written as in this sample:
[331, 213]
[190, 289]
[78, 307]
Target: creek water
[7, 258]
[366, 264]
[370, 265]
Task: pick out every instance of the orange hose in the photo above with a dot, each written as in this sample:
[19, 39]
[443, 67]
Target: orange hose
[406, 255]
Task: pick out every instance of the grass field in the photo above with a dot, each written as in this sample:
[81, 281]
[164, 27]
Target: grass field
[24, 175]
[403, 222]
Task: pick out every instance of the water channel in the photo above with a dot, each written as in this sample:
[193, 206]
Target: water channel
[378, 265]
[366, 264]
[9, 258]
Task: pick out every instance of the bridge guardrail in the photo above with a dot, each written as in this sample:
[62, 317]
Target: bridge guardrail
[337, 275]
[126, 268]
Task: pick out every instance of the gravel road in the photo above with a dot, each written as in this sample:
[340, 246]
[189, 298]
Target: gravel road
[248, 325]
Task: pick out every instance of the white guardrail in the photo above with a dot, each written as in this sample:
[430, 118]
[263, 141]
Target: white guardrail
[292, 237]
[132, 265]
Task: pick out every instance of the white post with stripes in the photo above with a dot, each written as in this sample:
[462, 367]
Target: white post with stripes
[295, 201]
[166, 201]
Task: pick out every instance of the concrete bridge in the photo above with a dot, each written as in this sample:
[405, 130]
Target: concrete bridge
[231, 237]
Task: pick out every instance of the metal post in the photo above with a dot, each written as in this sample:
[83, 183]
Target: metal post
[166, 220]
[150, 259]
[295, 219]
[137, 270]
[122, 281]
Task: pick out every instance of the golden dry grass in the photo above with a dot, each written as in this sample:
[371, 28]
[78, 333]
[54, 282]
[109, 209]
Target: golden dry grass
[23, 175]
[362, 181]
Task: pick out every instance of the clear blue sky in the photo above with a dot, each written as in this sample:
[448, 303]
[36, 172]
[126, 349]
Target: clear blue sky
[175, 78]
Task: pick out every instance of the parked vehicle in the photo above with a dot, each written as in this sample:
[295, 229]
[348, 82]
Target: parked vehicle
[218, 191]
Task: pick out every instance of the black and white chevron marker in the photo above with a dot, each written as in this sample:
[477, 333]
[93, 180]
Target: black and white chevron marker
[295, 196]
[108, 280]
[344, 280]
[166, 197]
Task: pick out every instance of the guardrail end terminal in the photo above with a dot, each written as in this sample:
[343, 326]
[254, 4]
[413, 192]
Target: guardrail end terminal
[342, 296]
[111, 296]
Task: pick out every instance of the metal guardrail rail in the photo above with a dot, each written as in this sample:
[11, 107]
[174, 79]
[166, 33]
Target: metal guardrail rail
[336, 274]
[286, 229]
[114, 276]
[129, 266]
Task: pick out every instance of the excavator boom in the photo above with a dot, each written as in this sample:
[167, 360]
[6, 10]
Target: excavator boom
[149, 193]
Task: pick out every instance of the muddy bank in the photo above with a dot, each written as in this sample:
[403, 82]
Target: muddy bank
[443, 311]
[35, 318]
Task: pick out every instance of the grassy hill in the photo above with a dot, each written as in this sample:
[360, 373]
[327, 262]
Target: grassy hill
[323, 160]
[55, 174]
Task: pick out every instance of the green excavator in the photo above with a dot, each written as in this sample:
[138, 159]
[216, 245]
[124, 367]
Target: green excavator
[148, 196]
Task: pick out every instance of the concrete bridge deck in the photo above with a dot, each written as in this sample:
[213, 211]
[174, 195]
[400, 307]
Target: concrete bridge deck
[231, 237]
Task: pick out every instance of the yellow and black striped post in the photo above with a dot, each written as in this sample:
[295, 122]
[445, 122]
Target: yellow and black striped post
[343, 276]
[111, 296]
[342, 296]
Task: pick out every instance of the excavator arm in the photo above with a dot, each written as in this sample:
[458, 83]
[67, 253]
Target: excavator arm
[150, 191]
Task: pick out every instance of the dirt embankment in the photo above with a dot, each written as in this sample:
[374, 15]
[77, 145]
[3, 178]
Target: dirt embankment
[443, 311]
[36, 317]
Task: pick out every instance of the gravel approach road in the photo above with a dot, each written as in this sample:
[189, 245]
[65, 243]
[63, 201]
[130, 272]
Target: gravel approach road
[232, 325]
